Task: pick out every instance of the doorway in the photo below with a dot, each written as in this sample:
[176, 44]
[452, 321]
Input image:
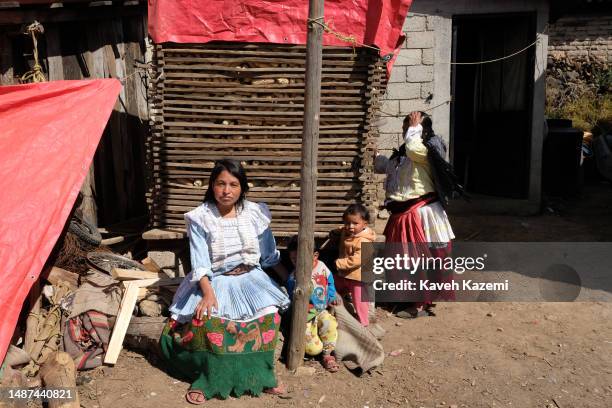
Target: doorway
[492, 103]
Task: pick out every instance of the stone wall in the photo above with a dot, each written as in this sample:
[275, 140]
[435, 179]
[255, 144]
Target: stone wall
[410, 86]
[411, 82]
[581, 38]
[578, 68]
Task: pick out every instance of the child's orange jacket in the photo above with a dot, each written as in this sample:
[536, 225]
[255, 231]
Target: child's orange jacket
[348, 263]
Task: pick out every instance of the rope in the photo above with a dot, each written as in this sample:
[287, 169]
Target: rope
[397, 115]
[35, 74]
[486, 61]
[125, 78]
[346, 38]
[351, 39]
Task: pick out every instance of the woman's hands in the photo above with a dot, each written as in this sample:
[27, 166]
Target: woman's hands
[209, 301]
[336, 302]
[415, 118]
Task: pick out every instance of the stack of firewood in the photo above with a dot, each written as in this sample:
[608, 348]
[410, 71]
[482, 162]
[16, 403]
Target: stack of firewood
[246, 102]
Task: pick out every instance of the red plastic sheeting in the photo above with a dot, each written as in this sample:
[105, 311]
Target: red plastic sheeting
[48, 136]
[371, 22]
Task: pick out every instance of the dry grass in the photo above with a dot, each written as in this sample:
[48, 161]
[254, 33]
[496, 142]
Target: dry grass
[581, 93]
[589, 112]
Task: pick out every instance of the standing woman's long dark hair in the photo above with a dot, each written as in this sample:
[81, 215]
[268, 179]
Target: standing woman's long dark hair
[429, 134]
[234, 168]
[427, 124]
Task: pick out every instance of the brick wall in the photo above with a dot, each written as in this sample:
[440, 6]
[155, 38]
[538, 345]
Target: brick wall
[582, 38]
[411, 84]
[411, 81]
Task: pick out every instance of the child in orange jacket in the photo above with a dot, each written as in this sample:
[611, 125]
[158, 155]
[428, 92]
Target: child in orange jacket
[348, 264]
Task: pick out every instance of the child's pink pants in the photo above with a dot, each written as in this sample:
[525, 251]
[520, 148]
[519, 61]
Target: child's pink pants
[355, 289]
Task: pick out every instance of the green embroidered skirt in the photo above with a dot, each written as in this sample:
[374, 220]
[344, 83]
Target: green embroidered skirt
[220, 357]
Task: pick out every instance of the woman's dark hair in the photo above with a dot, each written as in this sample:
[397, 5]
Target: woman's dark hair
[235, 169]
[357, 209]
[427, 124]
[428, 133]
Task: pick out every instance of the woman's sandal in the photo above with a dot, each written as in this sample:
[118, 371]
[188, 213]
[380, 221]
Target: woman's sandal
[330, 363]
[199, 400]
[280, 389]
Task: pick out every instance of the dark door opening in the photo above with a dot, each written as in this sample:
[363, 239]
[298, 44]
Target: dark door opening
[491, 110]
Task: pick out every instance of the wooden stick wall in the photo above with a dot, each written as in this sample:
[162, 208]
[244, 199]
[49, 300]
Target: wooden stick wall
[245, 101]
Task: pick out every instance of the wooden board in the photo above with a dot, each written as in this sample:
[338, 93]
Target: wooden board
[154, 282]
[128, 302]
[158, 234]
[134, 274]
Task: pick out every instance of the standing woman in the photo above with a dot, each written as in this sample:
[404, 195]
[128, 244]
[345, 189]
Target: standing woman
[224, 317]
[417, 215]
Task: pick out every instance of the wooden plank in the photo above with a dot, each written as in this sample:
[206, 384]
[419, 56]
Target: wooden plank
[283, 189]
[151, 265]
[136, 111]
[212, 125]
[128, 302]
[120, 146]
[133, 274]
[159, 234]
[258, 156]
[54, 53]
[273, 59]
[54, 275]
[142, 293]
[226, 89]
[322, 198]
[246, 102]
[154, 282]
[236, 97]
[102, 163]
[239, 135]
[256, 140]
[228, 112]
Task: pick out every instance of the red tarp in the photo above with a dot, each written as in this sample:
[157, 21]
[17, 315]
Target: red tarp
[48, 136]
[277, 21]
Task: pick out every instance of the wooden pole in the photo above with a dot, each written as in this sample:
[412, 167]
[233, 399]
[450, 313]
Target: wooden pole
[310, 142]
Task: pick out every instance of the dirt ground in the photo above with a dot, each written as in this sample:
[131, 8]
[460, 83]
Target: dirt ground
[556, 355]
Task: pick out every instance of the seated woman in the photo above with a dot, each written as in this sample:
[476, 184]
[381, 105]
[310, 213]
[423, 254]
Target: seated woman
[224, 317]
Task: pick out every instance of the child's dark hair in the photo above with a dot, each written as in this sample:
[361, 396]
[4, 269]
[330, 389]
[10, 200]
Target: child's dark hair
[292, 245]
[235, 169]
[357, 209]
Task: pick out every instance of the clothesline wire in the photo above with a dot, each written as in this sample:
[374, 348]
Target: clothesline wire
[136, 71]
[351, 39]
[397, 115]
[490, 60]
